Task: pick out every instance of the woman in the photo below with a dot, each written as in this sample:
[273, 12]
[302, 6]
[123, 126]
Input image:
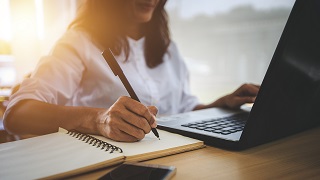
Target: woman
[74, 88]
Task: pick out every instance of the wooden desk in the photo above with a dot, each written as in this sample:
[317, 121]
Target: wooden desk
[295, 157]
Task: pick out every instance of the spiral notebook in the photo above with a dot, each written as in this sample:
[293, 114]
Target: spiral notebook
[67, 153]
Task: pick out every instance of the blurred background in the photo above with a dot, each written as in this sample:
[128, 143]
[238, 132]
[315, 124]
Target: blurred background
[225, 43]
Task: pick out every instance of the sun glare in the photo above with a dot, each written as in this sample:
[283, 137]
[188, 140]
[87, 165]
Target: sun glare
[24, 22]
[39, 18]
[5, 21]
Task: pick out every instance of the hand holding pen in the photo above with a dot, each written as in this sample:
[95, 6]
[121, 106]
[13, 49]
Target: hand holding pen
[112, 62]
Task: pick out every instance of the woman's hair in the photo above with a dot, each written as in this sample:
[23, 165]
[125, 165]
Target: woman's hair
[105, 21]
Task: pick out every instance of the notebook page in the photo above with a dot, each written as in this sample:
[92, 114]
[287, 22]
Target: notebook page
[49, 155]
[151, 147]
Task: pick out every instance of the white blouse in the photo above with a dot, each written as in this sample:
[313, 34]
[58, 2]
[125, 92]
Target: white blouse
[76, 74]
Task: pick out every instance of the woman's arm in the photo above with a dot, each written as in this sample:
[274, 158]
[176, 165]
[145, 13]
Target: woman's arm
[244, 94]
[126, 120]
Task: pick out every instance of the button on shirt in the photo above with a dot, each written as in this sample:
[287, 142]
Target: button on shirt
[76, 74]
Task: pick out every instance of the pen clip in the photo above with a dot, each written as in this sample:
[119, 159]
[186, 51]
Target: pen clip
[112, 62]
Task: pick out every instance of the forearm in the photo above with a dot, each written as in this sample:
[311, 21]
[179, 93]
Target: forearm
[36, 117]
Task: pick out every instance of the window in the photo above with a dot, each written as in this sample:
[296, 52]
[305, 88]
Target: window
[226, 43]
[28, 29]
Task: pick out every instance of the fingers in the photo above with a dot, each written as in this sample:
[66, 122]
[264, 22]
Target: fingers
[239, 101]
[154, 111]
[256, 85]
[244, 94]
[113, 132]
[132, 119]
[253, 89]
[247, 90]
[114, 127]
[128, 120]
[139, 109]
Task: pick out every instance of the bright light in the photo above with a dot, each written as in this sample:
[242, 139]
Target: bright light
[5, 20]
[39, 18]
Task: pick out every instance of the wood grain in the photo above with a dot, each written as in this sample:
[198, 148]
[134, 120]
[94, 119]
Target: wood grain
[294, 157]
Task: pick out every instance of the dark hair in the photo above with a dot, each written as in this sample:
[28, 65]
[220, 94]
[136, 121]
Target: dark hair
[105, 21]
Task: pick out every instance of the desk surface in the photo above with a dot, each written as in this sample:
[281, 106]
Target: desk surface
[294, 157]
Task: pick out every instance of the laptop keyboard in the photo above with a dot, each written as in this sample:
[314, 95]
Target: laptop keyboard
[225, 125]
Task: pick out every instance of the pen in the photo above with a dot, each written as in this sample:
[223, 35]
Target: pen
[117, 71]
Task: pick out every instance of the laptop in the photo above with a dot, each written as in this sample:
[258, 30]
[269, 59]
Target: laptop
[288, 101]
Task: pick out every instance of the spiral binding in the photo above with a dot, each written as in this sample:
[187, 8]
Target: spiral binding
[94, 141]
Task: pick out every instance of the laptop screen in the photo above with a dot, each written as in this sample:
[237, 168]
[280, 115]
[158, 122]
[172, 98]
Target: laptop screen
[289, 98]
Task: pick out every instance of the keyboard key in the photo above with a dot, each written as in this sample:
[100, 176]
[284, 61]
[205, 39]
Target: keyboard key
[225, 126]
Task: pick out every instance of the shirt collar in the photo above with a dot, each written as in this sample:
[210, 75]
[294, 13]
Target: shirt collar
[137, 44]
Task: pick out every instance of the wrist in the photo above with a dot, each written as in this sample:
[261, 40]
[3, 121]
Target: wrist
[83, 119]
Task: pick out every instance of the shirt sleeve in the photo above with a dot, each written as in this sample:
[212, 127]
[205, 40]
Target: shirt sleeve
[188, 100]
[56, 76]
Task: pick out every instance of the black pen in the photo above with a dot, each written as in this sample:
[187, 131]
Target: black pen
[117, 71]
